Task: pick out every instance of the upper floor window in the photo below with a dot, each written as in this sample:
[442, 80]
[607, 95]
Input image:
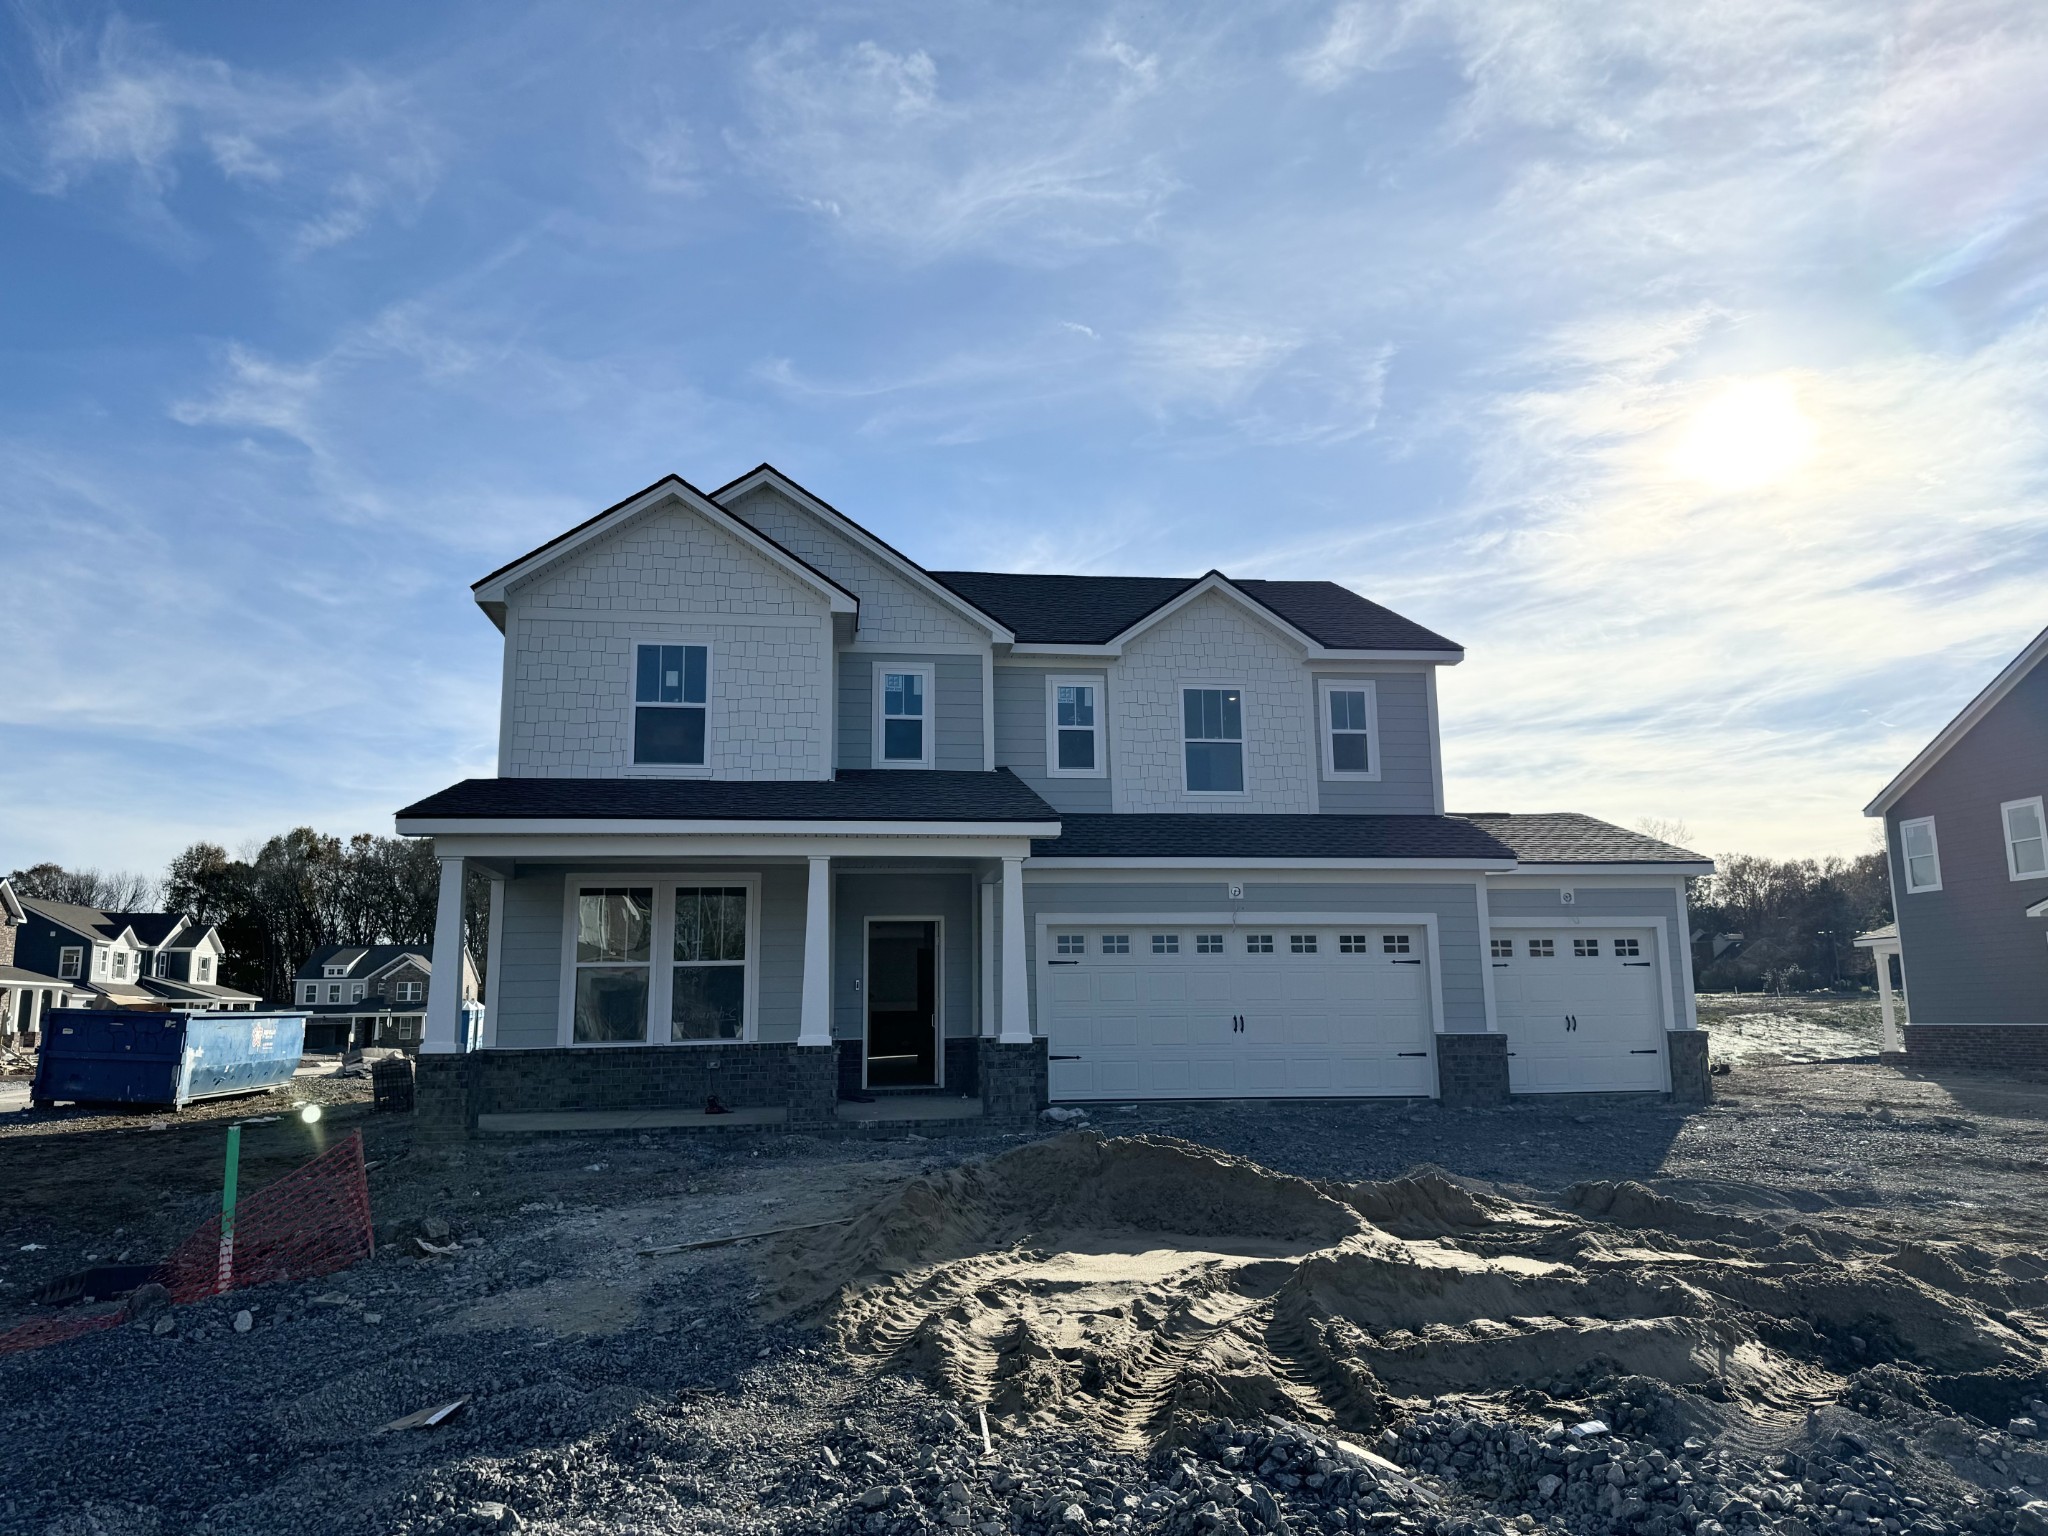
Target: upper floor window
[355, 993]
[334, 970]
[1075, 726]
[903, 726]
[206, 968]
[163, 964]
[669, 692]
[1350, 724]
[334, 992]
[409, 991]
[1921, 854]
[312, 992]
[2026, 839]
[70, 961]
[1212, 728]
[120, 965]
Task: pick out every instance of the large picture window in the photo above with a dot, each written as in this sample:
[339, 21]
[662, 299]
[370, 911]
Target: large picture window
[903, 725]
[708, 997]
[670, 686]
[1920, 854]
[1350, 726]
[1213, 730]
[1074, 727]
[2026, 839]
[614, 952]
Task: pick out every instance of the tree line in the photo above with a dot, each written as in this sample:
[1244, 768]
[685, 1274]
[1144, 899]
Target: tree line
[283, 899]
[1783, 925]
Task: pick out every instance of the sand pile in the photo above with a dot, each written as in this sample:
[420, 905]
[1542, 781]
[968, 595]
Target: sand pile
[1137, 1285]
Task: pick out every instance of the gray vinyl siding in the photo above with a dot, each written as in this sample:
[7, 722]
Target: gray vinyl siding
[956, 709]
[858, 897]
[529, 1010]
[1970, 954]
[1456, 908]
[1020, 738]
[1592, 904]
[1406, 786]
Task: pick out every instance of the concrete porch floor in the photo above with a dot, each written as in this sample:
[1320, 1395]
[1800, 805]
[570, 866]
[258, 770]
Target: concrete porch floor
[911, 1106]
[621, 1120]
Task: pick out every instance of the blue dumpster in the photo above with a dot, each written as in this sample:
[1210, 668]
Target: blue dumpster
[117, 1056]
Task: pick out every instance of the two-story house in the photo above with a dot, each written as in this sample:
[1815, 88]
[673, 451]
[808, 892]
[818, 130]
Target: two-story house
[355, 995]
[153, 960]
[784, 819]
[26, 995]
[1967, 842]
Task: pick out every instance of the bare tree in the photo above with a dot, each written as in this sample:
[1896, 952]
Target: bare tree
[118, 891]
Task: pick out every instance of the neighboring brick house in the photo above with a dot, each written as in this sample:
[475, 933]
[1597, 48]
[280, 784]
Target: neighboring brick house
[355, 995]
[26, 995]
[783, 818]
[1967, 845]
[162, 961]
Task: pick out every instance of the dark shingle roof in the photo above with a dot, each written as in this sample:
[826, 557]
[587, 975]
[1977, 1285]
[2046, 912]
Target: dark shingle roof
[1236, 836]
[361, 960]
[80, 920]
[1565, 837]
[1091, 610]
[151, 928]
[863, 794]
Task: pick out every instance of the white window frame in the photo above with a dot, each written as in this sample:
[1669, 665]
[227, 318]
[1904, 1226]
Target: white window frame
[634, 766]
[71, 962]
[662, 946]
[334, 992]
[411, 992]
[1053, 685]
[355, 992]
[118, 964]
[205, 970]
[1244, 732]
[1366, 686]
[2012, 866]
[1906, 858]
[334, 970]
[929, 672]
[312, 994]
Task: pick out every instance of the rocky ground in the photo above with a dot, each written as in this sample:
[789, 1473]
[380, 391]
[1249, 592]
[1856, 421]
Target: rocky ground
[1800, 1026]
[606, 1391]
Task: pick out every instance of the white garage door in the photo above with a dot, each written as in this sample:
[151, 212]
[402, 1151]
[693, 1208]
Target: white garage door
[1580, 1009]
[1149, 1012]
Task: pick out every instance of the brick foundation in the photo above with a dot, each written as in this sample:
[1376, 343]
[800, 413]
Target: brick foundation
[813, 1085]
[1471, 1070]
[1013, 1079]
[441, 1098]
[2008, 1050]
[1691, 1082]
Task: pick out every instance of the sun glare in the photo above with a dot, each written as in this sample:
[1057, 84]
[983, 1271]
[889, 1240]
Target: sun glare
[1746, 437]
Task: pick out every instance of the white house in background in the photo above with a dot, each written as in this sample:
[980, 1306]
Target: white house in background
[786, 819]
[26, 995]
[151, 960]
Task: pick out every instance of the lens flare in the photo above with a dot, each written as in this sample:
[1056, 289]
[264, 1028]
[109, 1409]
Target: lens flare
[310, 1113]
[1748, 436]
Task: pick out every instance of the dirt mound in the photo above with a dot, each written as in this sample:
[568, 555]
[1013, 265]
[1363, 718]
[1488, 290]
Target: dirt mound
[1135, 1285]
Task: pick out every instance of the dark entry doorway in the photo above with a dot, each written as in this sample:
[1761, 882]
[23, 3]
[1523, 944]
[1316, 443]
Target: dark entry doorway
[903, 1004]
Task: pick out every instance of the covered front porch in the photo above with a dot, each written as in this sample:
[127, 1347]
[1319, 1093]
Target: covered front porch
[814, 976]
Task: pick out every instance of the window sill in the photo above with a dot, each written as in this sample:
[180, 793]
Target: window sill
[906, 767]
[667, 771]
[1216, 794]
[1332, 776]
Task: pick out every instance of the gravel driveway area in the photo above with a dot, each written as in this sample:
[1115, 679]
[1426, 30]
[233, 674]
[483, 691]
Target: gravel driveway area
[606, 1391]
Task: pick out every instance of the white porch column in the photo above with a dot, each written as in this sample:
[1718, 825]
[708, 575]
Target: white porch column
[987, 891]
[494, 961]
[1016, 987]
[814, 1025]
[444, 1033]
[1891, 1037]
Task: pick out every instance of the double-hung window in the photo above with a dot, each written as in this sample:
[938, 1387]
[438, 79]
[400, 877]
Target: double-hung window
[206, 969]
[1212, 729]
[312, 992]
[614, 954]
[409, 991]
[70, 960]
[1920, 854]
[708, 998]
[670, 686]
[1350, 725]
[1074, 727]
[903, 724]
[2026, 839]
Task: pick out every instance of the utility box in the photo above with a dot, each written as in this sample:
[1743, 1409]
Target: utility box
[120, 1056]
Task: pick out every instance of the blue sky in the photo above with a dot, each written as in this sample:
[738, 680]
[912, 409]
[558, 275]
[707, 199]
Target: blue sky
[1686, 363]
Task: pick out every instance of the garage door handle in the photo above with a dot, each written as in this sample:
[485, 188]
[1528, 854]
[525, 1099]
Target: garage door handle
[1643, 963]
[1062, 1058]
[1407, 962]
[1062, 962]
[1650, 1052]
[1412, 1053]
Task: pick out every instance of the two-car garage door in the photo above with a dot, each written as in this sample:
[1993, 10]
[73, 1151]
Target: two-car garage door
[1194, 1012]
[1580, 1008]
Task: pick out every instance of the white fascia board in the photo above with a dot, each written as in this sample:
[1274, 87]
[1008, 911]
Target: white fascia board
[1022, 655]
[1960, 727]
[840, 523]
[1216, 581]
[681, 851]
[1263, 862]
[1589, 871]
[2038, 909]
[12, 902]
[570, 826]
[494, 589]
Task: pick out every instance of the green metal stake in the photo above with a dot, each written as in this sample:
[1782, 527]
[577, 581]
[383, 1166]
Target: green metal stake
[226, 1276]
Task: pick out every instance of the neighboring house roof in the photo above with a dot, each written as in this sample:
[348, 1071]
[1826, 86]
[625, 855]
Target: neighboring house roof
[15, 976]
[1094, 610]
[83, 921]
[363, 961]
[10, 902]
[164, 987]
[1888, 934]
[149, 928]
[855, 794]
[1566, 837]
[1172, 835]
[1958, 728]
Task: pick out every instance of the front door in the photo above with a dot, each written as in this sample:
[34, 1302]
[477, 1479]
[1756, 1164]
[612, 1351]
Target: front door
[903, 1004]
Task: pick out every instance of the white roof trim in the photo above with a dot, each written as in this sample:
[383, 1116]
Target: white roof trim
[841, 524]
[1216, 581]
[1270, 861]
[1022, 653]
[680, 827]
[12, 902]
[2038, 909]
[1961, 726]
[1618, 867]
[494, 588]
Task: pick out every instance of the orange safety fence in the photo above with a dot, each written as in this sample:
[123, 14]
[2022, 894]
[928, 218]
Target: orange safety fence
[313, 1221]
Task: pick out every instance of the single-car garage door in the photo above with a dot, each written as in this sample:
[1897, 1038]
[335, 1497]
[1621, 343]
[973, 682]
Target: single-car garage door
[1161, 1012]
[1580, 1008]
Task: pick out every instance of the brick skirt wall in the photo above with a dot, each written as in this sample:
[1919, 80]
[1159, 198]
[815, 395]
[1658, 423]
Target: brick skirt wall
[629, 1077]
[2010, 1050]
[1471, 1070]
